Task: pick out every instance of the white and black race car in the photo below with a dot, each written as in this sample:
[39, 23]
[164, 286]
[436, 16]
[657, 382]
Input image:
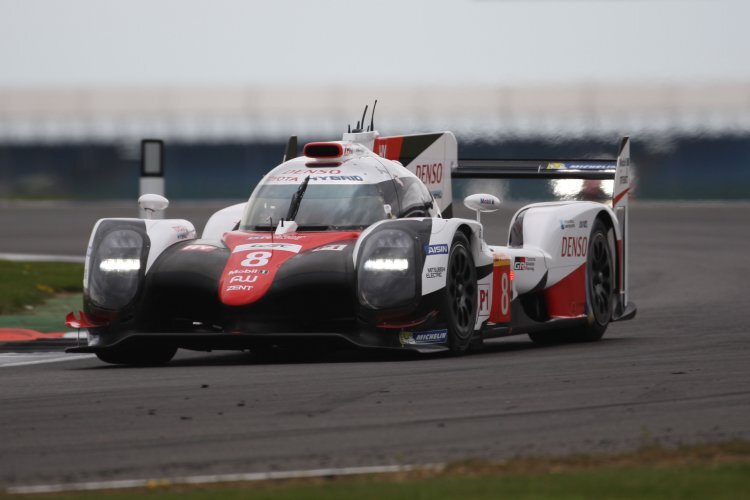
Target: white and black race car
[354, 242]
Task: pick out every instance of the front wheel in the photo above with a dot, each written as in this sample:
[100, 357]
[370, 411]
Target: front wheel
[460, 295]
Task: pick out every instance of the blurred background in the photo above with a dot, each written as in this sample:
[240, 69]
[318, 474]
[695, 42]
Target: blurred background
[224, 83]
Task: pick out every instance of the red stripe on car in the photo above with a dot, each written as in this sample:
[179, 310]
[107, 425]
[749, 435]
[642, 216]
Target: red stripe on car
[567, 297]
[388, 147]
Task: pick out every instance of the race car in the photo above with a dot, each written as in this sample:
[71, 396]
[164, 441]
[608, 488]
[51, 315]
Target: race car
[352, 242]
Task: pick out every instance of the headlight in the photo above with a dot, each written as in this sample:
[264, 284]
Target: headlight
[386, 264]
[386, 275]
[120, 265]
[116, 268]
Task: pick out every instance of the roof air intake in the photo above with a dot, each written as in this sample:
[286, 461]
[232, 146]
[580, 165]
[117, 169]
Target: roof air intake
[323, 150]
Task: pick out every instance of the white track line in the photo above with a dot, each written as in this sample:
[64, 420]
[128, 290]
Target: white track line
[220, 478]
[9, 360]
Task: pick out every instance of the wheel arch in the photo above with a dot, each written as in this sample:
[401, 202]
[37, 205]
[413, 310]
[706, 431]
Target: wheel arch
[609, 220]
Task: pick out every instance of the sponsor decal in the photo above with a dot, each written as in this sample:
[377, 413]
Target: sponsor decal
[574, 246]
[357, 178]
[239, 288]
[567, 224]
[624, 162]
[595, 166]
[315, 178]
[431, 173]
[434, 272]
[524, 263]
[578, 166]
[293, 237]
[486, 201]
[425, 337]
[243, 279]
[285, 247]
[623, 179]
[311, 171]
[247, 271]
[437, 194]
[584, 224]
[439, 249]
[484, 299]
[183, 232]
[333, 248]
[198, 248]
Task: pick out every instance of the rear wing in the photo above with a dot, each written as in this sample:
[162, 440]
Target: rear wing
[617, 169]
[535, 169]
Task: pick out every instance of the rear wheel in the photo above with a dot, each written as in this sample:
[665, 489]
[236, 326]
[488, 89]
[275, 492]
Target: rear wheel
[138, 355]
[600, 286]
[460, 299]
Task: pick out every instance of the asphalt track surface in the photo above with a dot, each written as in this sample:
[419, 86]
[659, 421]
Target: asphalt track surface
[677, 374]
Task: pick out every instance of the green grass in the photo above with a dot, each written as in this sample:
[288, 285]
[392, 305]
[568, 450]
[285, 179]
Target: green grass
[709, 471]
[46, 317]
[727, 481]
[25, 285]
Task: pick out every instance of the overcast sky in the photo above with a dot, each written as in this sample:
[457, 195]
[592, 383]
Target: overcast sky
[94, 43]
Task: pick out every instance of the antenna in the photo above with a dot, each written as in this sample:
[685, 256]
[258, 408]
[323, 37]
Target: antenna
[364, 113]
[372, 116]
[291, 149]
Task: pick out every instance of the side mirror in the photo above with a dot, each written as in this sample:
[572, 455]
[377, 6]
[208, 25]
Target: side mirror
[482, 203]
[151, 203]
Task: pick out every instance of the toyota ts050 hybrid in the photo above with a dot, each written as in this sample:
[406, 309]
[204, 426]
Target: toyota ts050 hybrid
[353, 241]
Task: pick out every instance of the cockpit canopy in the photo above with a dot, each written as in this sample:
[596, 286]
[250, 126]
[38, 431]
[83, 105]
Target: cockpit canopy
[352, 195]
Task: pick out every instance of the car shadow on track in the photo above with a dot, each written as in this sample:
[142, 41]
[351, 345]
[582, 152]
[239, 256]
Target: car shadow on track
[493, 347]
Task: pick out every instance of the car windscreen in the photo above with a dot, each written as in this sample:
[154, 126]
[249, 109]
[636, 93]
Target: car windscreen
[323, 207]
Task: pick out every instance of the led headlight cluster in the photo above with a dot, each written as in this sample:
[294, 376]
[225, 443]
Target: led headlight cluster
[387, 271]
[115, 267]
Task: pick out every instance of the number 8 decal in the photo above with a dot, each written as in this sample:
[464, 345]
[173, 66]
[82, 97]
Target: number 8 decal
[502, 292]
[256, 259]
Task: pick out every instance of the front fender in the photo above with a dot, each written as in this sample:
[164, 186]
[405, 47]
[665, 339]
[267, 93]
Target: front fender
[120, 254]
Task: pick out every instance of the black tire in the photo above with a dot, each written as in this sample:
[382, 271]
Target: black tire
[138, 355]
[460, 299]
[600, 286]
